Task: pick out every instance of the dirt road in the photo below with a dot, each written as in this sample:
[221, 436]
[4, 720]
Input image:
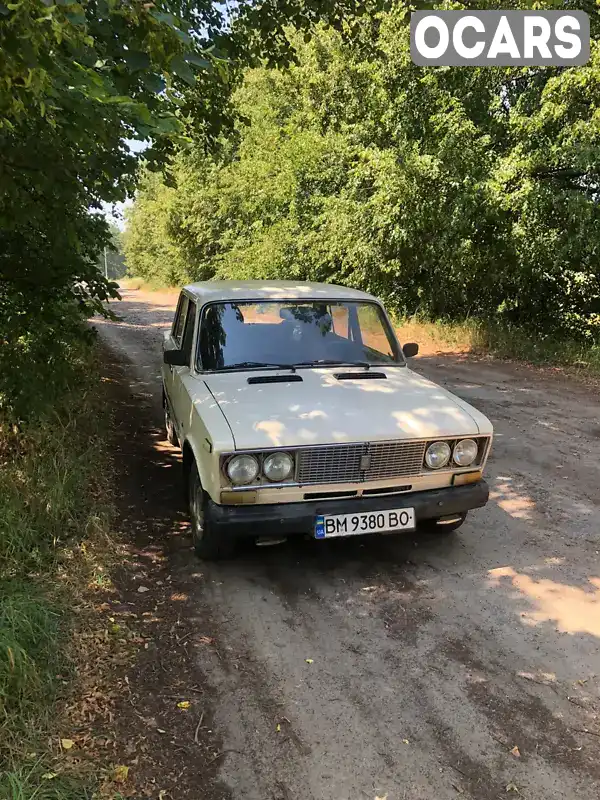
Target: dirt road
[401, 668]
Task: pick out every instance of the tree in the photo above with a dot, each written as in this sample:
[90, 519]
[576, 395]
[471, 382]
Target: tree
[451, 192]
[78, 79]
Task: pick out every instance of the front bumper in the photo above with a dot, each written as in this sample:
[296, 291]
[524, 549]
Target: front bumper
[287, 519]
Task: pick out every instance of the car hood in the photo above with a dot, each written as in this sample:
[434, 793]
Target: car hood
[323, 410]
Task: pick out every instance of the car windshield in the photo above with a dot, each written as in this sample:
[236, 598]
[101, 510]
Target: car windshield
[248, 335]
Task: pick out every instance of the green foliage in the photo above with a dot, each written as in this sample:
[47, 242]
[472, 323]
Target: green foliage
[35, 781]
[43, 494]
[49, 503]
[29, 627]
[38, 362]
[77, 80]
[451, 192]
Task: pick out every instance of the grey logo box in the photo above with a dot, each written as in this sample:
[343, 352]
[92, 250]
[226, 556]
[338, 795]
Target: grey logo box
[499, 38]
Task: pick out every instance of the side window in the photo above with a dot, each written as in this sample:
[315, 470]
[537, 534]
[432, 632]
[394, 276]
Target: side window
[179, 321]
[340, 321]
[372, 331]
[188, 335]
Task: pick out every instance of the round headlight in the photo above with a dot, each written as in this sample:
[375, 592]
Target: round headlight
[242, 469]
[278, 466]
[437, 455]
[465, 452]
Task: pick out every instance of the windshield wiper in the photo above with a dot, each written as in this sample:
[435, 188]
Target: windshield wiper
[327, 362]
[258, 365]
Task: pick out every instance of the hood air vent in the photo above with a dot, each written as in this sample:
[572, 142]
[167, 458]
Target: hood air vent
[275, 379]
[360, 376]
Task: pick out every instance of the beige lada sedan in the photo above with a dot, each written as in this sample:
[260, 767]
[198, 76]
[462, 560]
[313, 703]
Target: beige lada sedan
[297, 413]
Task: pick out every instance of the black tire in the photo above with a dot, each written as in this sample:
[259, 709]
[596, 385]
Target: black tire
[433, 526]
[170, 428]
[208, 543]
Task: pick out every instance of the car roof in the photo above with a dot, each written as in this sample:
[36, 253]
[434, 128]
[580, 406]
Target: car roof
[215, 291]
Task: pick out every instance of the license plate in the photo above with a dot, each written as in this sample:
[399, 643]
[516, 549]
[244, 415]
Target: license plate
[331, 525]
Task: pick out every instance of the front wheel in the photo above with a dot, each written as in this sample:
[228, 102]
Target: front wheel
[170, 428]
[209, 544]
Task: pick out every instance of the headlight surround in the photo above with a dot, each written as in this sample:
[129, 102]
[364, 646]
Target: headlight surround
[242, 469]
[278, 467]
[437, 455]
[465, 452]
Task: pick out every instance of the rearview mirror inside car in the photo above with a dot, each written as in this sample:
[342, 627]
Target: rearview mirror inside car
[176, 358]
[410, 349]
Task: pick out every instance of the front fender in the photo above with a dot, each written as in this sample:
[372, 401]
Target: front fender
[206, 434]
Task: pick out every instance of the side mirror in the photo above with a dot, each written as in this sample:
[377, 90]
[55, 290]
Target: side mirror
[410, 349]
[176, 358]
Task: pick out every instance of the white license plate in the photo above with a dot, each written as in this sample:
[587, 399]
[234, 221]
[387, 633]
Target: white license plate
[331, 525]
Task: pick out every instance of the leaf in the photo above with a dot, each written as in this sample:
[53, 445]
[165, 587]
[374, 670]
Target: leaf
[67, 744]
[184, 705]
[49, 776]
[170, 125]
[206, 640]
[516, 752]
[278, 728]
[183, 35]
[511, 787]
[309, 660]
[142, 589]
[154, 83]
[197, 61]
[169, 19]
[182, 69]
[76, 18]
[137, 60]
[121, 773]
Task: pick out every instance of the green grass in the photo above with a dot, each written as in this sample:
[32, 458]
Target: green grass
[51, 501]
[547, 351]
[29, 632]
[474, 336]
[134, 284]
[35, 782]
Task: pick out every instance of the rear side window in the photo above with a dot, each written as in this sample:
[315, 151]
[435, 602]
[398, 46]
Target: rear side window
[188, 334]
[180, 316]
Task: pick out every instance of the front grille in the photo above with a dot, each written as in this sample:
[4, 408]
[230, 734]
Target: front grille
[395, 460]
[357, 463]
[334, 464]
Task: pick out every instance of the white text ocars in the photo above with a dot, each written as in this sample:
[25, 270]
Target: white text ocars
[297, 414]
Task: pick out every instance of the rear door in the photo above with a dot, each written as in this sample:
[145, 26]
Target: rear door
[173, 341]
[181, 399]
